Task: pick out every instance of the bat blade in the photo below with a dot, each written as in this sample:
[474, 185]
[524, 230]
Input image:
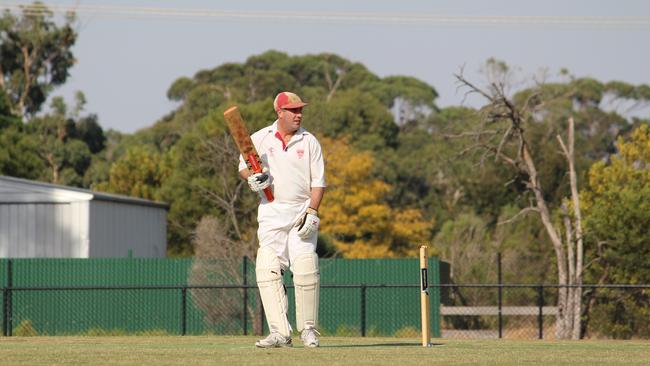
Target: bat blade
[243, 140]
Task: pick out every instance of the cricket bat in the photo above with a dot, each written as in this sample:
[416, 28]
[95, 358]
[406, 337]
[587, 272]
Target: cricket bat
[243, 140]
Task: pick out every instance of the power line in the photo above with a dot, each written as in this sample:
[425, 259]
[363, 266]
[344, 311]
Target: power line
[339, 17]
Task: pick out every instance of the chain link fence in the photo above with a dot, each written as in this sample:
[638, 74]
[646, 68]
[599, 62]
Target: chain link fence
[466, 311]
[497, 311]
[529, 312]
[358, 298]
[353, 310]
[204, 296]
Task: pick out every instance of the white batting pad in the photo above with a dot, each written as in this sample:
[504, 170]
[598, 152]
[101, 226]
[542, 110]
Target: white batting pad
[272, 292]
[306, 279]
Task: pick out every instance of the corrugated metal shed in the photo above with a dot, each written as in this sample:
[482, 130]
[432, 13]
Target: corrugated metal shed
[46, 220]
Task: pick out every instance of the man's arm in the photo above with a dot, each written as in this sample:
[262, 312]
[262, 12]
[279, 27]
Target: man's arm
[245, 173]
[316, 196]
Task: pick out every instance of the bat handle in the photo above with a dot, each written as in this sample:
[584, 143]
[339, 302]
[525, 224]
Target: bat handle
[268, 194]
[258, 169]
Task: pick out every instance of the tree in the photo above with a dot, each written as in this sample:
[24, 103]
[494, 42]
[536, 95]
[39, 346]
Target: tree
[438, 169]
[523, 244]
[7, 118]
[328, 72]
[508, 142]
[465, 242]
[616, 221]
[218, 259]
[355, 213]
[35, 56]
[339, 92]
[61, 146]
[345, 100]
[354, 113]
[99, 171]
[516, 132]
[617, 210]
[138, 173]
[19, 154]
[204, 181]
[408, 98]
[88, 130]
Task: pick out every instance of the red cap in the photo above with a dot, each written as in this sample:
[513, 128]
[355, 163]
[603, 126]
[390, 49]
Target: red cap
[287, 100]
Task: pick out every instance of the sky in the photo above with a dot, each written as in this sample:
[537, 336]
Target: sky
[130, 52]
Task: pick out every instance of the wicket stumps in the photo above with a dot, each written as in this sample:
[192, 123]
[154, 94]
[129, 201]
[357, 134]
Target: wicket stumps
[424, 297]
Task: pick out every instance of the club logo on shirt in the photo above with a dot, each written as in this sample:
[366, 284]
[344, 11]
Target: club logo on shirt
[271, 150]
[301, 153]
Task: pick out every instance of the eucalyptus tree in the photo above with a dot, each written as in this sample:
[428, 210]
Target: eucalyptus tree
[35, 56]
[516, 131]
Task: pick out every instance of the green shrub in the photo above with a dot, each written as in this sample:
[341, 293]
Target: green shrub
[25, 329]
[620, 316]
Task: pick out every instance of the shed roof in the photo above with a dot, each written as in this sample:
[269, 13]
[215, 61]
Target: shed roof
[17, 190]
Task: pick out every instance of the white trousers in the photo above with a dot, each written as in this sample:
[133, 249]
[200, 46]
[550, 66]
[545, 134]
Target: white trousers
[278, 231]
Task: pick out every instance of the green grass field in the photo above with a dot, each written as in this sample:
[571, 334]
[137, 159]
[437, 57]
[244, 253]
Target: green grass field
[220, 350]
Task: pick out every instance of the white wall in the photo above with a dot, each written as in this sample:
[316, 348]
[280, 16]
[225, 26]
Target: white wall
[45, 220]
[56, 230]
[117, 227]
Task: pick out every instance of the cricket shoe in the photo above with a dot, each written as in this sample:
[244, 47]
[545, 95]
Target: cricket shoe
[274, 340]
[310, 337]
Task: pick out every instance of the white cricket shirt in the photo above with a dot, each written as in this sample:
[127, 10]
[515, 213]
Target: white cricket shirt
[294, 167]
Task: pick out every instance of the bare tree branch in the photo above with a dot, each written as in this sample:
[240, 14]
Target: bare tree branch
[504, 138]
[565, 151]
[473, 89]
[328, 78]
[518, 215]
[469, 134]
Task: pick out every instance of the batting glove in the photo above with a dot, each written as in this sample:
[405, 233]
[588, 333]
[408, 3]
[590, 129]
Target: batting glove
[308, 224]
[259, 181]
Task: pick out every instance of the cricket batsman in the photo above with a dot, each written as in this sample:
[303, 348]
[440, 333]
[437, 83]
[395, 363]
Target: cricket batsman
[293, 168]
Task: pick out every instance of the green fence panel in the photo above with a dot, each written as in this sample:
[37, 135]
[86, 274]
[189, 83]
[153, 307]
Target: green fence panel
[353, 311]
[3, 272]
[42, 272]
[3, 284]
[92, 310]
[222, 310]
[436, 272]
[387, 310]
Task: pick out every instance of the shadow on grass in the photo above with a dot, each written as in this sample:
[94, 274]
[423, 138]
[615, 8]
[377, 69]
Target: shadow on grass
[378, 345]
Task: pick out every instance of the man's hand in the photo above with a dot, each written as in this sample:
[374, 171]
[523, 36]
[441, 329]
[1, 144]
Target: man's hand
[259, 181]
[308, 224]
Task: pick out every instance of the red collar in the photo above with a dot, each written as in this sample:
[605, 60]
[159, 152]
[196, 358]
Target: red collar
[279, 137]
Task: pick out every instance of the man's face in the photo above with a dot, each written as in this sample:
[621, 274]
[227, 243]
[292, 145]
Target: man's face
[289, 119]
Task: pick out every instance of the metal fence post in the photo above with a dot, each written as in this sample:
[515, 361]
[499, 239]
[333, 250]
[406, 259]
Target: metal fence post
[363, 310]
[245, 305]
[540, 315]
[184, 310]
[7, 306]
[4, 311]
[500, 295]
